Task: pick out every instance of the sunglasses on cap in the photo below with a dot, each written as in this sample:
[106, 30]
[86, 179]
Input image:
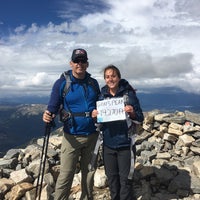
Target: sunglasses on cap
[79, 61]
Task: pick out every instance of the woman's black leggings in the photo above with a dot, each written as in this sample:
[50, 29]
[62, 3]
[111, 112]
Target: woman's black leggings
[117, 167]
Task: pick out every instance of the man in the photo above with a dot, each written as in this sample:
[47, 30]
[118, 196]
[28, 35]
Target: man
[79, 129]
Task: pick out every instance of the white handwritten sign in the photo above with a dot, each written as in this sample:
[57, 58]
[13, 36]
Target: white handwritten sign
[111, 110]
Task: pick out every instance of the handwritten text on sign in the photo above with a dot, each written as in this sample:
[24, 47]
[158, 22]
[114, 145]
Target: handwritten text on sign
[111, 110]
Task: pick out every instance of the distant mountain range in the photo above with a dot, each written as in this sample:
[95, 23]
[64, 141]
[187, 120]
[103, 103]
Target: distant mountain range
[165, 99]
[21, 117]
[19, 124]
[170, 102]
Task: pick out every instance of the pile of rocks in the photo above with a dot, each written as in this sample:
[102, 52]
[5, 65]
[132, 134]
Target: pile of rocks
[167, 163]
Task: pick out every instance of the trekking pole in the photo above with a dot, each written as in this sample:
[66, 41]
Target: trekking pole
[43, 158]
[91, 165]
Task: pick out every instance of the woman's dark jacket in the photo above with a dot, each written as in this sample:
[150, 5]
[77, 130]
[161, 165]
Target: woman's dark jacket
[115, 133]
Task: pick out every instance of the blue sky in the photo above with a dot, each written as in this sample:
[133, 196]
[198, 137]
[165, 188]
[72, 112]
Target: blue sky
[155, 43]
[26, 12]
[16, 13]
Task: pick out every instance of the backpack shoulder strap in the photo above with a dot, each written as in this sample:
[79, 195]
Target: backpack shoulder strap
[67, 85]
[94, 86]
[126, 97]
[126, 93]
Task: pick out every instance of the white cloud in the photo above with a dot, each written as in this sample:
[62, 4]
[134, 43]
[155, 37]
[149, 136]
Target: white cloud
[38, 79]
[154, 43]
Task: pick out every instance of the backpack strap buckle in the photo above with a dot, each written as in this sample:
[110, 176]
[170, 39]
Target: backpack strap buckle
[87, 114]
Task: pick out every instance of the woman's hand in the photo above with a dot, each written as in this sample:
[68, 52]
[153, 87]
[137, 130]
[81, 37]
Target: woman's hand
[94, 113]
[130, 110]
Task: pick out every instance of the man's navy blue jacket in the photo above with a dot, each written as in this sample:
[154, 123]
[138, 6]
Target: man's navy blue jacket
[115, 133]
[80, 98]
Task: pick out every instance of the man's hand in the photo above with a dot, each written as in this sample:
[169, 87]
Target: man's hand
[47, 116]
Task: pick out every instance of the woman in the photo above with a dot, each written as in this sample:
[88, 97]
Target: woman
[117, 143]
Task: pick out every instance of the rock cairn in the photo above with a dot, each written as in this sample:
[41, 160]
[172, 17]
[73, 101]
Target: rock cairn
[167, 163]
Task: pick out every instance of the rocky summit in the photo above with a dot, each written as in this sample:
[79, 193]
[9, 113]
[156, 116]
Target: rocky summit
[167, 165]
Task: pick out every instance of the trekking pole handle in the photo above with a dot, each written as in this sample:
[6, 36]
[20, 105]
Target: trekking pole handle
[52, 122]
